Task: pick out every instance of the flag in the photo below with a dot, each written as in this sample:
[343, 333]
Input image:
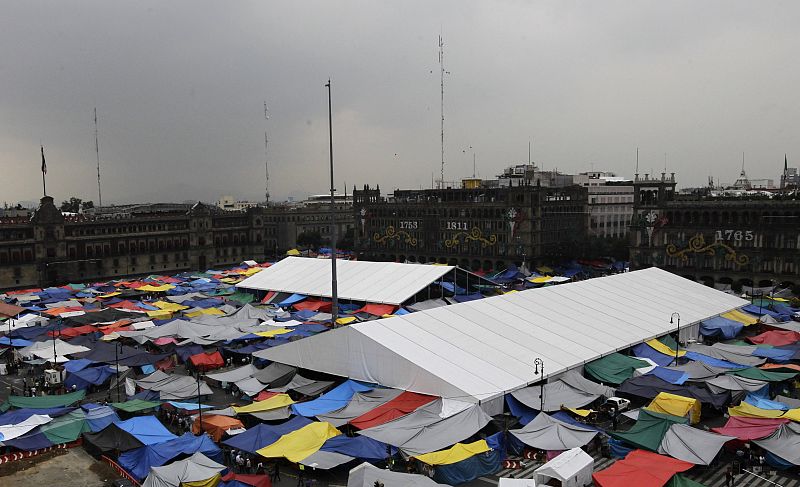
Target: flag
[44, 164]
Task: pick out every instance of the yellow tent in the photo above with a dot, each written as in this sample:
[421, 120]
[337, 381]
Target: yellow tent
[274, 402]
[109, 295]
[346, 320]
[252, 270]
[581, 412]
[742, 318]
[211, 482]
[540, 280]
[207, 311]
[675, 405]
[167, 306]
[272, 333]
[293, 252]
[749, 411]
[155, 289]
[160, 314]
[793, 414]
[299, 444]
[456, 453]
[660, 347]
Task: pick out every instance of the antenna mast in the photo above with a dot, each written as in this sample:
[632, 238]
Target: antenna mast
[441, 68]
[97, 153]
[266, 155]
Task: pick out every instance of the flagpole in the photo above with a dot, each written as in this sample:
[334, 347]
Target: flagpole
[44, 171]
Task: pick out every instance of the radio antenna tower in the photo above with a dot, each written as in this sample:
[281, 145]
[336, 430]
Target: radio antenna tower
[441, 68]
[266, 155]
[97, 153]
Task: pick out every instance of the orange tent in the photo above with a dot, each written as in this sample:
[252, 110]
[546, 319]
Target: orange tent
[215, 425]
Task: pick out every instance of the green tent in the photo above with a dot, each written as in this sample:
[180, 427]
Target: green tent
[242, 298]
[758, 374]
[67, 428]
[679, 480]
[46, 402]
[649, 429]
[742, 343]
[614, 368]
[669, 341]
[135, 405]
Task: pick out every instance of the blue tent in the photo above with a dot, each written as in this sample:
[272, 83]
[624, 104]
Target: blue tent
[146, 429]
[764, 403]
[671, 376]
[463, 298]
[82, 379]
[15, 342]
[294, 298]
[521, 411]
[263, 435]
[358, 446]
[763, 310]
[452, 288]
[30, 441]
[100, 417]
[78, 364]
[775, 354]
[16, 416]
[331, 400]
[719, 326]
[139, 460]
[646, 351]
[713, 361]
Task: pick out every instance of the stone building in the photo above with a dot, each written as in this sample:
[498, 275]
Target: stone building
[724, 241]
[473, 227]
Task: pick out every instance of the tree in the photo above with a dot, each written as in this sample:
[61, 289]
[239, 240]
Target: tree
[309, 239]
[87, 204]
[71, 206]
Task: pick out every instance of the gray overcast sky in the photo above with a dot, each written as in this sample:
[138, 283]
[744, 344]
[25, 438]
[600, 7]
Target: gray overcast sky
[179, 87]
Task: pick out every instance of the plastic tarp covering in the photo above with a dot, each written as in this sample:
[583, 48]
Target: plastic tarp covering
[216, 426]
[776, 338]
[572, 390]
[721, 327]
[683, 407]
[640, 468]
[358, 446]
[147, 429]
[726, 355]
[469, 469]
[65, 429]
[614, 368]
[33, 440]
[11, 431]
[648, 386]
[715, 362]
[250, 386]
[173, 387]
[749, 411]
[187, 472]
[366, 475]
[764, 375]
[737, 386]
[277, 414]
[332, 400]
[135, 405]
[100, 417]
[205, 361]
[262, 435]
[481, 349]
[692, 444]
[746, 429]
[111, 438]
[45, 402]
[360, 403]
[401, 405]
[454, 454]
[301, 443]
[644, 350]
[649, 430]
[274, 402]
[87, 377]
[547, 433]
[245, 480]
[425, 430]
[573, 468]
[325, 460]
[699, 370]
[234, 375]
[764, 403]
[784, 442]
[138, 461]
[274, 374]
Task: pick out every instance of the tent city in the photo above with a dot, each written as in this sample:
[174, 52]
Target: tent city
[480, 244]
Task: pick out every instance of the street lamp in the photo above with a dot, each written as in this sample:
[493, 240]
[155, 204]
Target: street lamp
[55, 354]
[678, 337]
[199, 406]
[117, 351]
[539, 364]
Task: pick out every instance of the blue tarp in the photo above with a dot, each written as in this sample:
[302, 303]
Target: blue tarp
[15, 342]
[82, 379]
[646, 351]
[722, 327]
[147, 429]
[521, 411]
[774, 354]
[262, 435]
[248, 349]
[672, 376]
[336, 398]
[463, 298]
[100, 417]
[401, 312]
[294, 298]
[619, 448]
[469, 469]
[139, 460]
[714, 361]
[764, 403]
[310, 328]
[30, 332]
[16, 416]
[777, 461]
[762, 310]
[187, 351]
[357, 446]
[33, 440]
[78, 364]
[452, 288]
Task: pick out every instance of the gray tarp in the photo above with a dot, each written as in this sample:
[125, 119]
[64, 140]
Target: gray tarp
[314, 389]
[186, 297]
[424, 430]
[228, 411]
[366, 475]
[250, 386]
[297, 381]
[325, 460]
[193, 469]
[723, 354]
[571, 390]
[177, 328]
[691, 444]
[429, 304]
[234, 375]
[173, 387]
[699, 370]
[546, 433]
[360, 403]
[273, 414]
[274, 374]
[784, 442]
[738, 386]
[789, 401]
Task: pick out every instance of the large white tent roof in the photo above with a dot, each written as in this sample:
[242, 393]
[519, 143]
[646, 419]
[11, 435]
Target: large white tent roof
[357, 280]
[481, 349]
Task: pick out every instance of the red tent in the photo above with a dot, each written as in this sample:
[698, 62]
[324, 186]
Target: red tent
[747, 429]
[776, 338]
[73, 332]
[268, 297]
[313, 305]
[207, 361]
[10, 310]
[264, 395]
[377, 309]
[641, 469]
[399, 406]
[247, 479]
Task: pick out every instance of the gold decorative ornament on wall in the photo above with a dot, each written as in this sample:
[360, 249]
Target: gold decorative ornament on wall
[473, 235]
[392, 234]
[697, 245]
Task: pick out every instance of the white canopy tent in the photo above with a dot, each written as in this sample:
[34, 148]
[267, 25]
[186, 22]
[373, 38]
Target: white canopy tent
[357, 280]
[573, 468]
[479, 350]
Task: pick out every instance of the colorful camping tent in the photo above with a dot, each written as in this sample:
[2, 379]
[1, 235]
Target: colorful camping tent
[640, 468]
[456, 453]
[573, 468]
[196, 471]
[299, 444]
[216, 426]
[614, 368]
[746, 429]
[683, 407]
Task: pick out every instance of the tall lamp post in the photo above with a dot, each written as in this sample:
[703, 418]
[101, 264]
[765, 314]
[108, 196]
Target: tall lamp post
[199, 405]
[55, 354]
[672, 321]
[117, 352]
[334, 229]
[539, 365]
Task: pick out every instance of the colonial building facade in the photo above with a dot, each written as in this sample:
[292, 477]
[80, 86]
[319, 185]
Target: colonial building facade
[476, 228]
[745, 241]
